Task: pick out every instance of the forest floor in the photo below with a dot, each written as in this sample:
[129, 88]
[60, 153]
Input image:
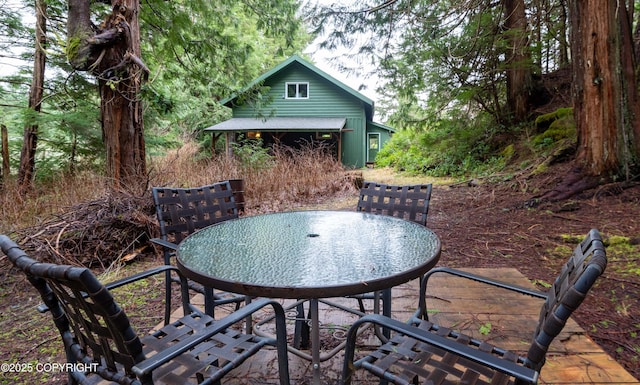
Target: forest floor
[491, 225]
[494, 224]
[480, 224]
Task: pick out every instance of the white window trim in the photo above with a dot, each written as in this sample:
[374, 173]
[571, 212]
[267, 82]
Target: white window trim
[286, 90]
[369, 135]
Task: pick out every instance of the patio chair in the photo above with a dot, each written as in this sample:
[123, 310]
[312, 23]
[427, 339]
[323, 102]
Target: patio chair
[100, 343]
[423, 352]
[410, 202]
[182, 211]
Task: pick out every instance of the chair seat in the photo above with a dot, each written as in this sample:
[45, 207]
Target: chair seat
[406, 359]
[211, 359]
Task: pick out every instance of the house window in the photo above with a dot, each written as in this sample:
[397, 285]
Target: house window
[297, 91]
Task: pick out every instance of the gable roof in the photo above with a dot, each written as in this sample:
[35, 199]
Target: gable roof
[368, 103]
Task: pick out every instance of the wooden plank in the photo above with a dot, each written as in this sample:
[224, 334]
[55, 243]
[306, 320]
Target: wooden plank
[592, 368]
[573, 357]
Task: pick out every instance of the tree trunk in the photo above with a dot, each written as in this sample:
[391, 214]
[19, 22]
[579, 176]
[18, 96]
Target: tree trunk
[5, 153]
[636, 36]
[605, 97]
[30, 142]
[631, 123]
[563, 44]
[113, 55]
[518, 60]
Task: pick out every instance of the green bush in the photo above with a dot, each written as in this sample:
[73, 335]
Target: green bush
[450, 148]
[251, 153]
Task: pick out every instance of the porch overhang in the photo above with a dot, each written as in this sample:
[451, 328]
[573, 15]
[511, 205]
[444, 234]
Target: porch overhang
[289, 124]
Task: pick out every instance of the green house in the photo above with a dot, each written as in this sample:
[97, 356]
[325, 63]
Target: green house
[298, 103]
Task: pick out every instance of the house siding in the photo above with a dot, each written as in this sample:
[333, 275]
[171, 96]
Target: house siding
[325, 100]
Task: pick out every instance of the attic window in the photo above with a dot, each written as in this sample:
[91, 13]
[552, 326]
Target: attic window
[296, 91]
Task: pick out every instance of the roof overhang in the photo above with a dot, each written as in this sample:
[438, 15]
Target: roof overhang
[280, 124]
[380, 126]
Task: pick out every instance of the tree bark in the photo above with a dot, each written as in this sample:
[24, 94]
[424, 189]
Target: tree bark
[30, 142]
[112, 54]
[4, 134]
[636, 35]
[563, 44]
[631, 124]
[518, 60]
[605, 100]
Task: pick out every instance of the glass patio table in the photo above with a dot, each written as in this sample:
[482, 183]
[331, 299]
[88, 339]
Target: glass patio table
[308, 255]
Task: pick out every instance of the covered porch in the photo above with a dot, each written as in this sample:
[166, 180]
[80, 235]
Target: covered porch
[289, 131]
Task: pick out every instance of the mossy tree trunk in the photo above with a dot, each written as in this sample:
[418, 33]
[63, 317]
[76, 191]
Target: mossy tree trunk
[605, 97]
[112, 54]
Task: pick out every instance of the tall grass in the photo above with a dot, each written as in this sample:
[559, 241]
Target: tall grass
[282, 179]
[20, 208]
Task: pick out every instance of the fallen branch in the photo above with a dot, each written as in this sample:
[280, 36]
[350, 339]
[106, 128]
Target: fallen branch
[93, 233]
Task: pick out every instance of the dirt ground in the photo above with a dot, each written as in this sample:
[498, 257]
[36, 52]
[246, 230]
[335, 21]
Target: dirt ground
[489, 225]
[480, 224]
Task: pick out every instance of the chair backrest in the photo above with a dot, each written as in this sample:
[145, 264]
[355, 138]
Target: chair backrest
[93, 327]
[181, 211]
[587, 263]
[409, 202]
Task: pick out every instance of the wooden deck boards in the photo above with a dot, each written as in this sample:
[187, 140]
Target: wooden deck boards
[573, 358]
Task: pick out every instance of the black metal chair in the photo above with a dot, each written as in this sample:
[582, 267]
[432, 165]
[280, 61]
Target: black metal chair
[100, 342]
[410, 202]
[426, 353]
[182, 211]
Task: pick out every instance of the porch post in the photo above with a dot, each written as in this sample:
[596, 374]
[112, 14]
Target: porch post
[340, 146]
[227, 143]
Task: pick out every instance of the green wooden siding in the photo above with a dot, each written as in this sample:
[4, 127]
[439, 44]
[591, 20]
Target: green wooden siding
[328, 98]
[325, 100]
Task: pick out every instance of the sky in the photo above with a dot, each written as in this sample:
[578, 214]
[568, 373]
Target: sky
[326, 59]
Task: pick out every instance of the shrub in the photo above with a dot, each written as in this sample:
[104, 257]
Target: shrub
[451, 148]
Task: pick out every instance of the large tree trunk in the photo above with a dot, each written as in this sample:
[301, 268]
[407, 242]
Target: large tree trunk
[518, 60]
[605, 97]
[113, 55]
[30, 142]
[120, 106]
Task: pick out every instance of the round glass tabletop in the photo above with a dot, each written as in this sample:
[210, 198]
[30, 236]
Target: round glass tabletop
[308, 254]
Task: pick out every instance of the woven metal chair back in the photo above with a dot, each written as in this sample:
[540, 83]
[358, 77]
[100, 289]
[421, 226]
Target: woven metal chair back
[94, 328]
[182, 211]
[409, 202]
[578, 275]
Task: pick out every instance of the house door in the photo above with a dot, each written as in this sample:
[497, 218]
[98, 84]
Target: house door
[373, 147]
